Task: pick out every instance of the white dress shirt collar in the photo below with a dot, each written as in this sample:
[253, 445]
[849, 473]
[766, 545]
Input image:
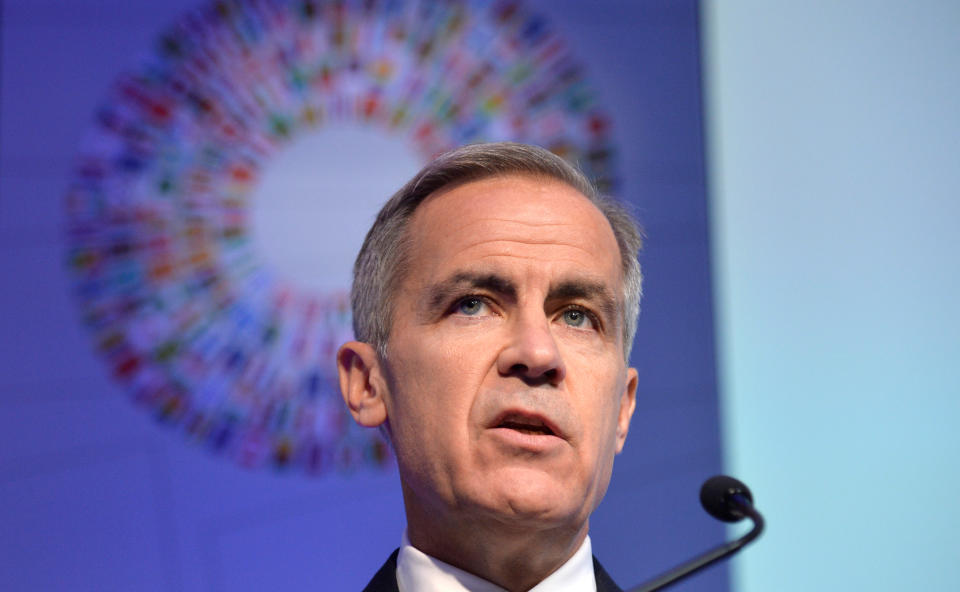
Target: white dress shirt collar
[419, 572]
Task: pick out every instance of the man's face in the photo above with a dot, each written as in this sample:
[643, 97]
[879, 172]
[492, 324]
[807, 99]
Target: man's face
[507, 395]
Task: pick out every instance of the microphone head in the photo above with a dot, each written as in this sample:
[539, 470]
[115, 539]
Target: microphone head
[723, 497]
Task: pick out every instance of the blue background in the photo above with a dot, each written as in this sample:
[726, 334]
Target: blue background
[95, 496]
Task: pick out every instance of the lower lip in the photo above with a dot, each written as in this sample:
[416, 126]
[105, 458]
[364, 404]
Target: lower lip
[539, 443]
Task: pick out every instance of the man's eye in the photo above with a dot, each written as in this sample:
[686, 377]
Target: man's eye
[575, 317]
[470, 306]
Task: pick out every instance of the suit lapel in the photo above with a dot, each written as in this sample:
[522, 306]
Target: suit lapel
[604, 582]
[385, 580]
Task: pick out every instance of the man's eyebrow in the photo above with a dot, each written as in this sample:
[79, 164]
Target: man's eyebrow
[441, 292]
[590, 291]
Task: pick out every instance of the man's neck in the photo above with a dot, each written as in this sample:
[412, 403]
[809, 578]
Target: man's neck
[515, 557]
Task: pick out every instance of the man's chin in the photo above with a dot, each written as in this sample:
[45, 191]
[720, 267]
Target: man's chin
[533, 501]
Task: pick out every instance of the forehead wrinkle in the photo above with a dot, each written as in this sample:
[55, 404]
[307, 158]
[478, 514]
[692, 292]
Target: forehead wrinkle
[526, 257]
[533, 223]
[502, 223]
[505, 243]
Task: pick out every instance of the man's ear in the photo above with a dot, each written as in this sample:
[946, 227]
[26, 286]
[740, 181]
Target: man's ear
[628, 402]
[362, 383]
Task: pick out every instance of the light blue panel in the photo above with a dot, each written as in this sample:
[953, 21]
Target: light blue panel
[834, 138]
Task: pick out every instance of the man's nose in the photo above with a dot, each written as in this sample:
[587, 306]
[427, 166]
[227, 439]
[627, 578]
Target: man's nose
[532, 353]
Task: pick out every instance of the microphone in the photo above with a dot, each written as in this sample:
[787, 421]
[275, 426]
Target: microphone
[725, 499]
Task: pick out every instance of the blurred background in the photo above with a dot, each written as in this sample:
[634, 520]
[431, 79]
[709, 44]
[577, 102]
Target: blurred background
[183, 187]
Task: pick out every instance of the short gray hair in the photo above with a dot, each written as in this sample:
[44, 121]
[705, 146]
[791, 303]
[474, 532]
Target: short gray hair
[383, 260]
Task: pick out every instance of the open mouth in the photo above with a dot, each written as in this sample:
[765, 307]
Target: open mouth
[526, 425]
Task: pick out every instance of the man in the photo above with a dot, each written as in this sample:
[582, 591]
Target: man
[495, 302]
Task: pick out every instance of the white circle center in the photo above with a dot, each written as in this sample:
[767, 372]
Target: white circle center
[318, 197]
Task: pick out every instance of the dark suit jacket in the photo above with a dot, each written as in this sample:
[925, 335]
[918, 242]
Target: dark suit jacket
[385, 580]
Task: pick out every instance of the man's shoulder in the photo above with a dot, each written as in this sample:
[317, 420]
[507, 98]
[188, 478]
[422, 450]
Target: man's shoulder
[385, 580]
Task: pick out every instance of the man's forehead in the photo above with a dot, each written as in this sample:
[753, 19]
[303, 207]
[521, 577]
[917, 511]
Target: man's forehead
[507, 202]
[485, 240]
[512, 217]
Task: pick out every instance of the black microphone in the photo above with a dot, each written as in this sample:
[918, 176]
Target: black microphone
[725, 499]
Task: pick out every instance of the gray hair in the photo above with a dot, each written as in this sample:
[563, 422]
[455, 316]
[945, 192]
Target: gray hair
[383, 260]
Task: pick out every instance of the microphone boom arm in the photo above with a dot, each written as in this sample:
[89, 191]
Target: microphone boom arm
[743, 504]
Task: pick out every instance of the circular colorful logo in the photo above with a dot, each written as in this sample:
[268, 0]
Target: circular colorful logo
[188, 316]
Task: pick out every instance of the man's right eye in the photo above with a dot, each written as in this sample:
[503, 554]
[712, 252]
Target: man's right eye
[470, 306]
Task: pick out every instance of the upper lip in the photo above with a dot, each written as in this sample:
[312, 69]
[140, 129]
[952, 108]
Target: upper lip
[522, 417]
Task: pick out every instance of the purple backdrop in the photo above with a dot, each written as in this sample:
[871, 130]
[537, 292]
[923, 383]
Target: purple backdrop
[96, 495]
